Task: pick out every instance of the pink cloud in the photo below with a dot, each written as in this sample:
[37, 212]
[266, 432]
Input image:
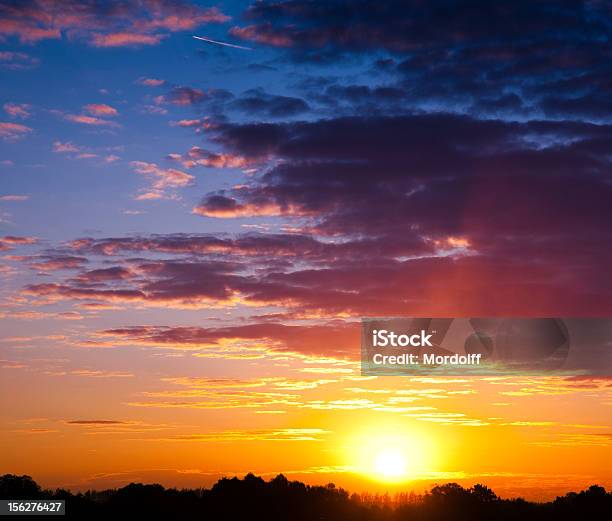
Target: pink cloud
[259, 34]
[189, 18]
[90, 120]
[199, 157]
[100, 109]
[59, 262]
[17, 110]
[150, 82]
[13, 131]
[114, 25]
[163, 179]
[8, 242]
[185, 123]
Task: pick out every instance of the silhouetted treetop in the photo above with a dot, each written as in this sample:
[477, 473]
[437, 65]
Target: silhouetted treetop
[254, 499]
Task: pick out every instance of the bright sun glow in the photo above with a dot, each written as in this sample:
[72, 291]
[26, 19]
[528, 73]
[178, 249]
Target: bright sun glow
[390, 453]
[391, 464]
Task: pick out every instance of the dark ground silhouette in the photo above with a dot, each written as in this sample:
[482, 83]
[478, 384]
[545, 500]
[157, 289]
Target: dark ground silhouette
[252, 498]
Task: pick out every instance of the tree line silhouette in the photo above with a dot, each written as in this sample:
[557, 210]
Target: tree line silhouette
[254, 499]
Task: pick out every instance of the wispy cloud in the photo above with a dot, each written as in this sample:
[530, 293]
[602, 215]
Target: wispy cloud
[17, 110]
[164, 180]
[14, 198]
[90, 120]
[101, 109]
[13, 131]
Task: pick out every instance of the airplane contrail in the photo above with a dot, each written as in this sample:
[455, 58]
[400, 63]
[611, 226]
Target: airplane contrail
[210, 40]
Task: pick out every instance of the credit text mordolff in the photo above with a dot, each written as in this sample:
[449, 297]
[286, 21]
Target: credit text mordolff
[384, 338]
[428, 359]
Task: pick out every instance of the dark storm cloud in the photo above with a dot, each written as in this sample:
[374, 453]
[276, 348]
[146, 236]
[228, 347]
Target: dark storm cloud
[245, 245]
[410, 26]
[451, 54]
[357, 175]
[258, 102]
[464, 170]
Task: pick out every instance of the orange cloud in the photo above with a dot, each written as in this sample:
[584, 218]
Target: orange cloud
[124, 39]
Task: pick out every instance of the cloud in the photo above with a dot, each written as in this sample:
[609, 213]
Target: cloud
[262, 34]
[105, 274]
[77, 152]
[197, 156]
[95, 422]
[330, 339]
[17, 110]
[57, 262]
[67, 147]
[101, 109]
[373, 169]
[122, 39]
[258, 102]
[150, 82]
[218, 205]
[297, 434]
[8, 242]
[13, 197]
[164, 180]
[13, 131]
[127, 24]
[405, 27]
[183, 96]
[200, 125]
[154, 109]
[17, 60]
[501, 60]
[90, 120]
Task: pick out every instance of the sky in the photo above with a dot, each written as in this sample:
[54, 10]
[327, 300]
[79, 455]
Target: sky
[190, 233]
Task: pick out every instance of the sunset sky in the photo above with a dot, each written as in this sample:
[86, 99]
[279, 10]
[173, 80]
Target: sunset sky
[191, 232]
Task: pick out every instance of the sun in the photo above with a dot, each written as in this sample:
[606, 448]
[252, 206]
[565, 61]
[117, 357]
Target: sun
[390, 454]
[391, 464]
